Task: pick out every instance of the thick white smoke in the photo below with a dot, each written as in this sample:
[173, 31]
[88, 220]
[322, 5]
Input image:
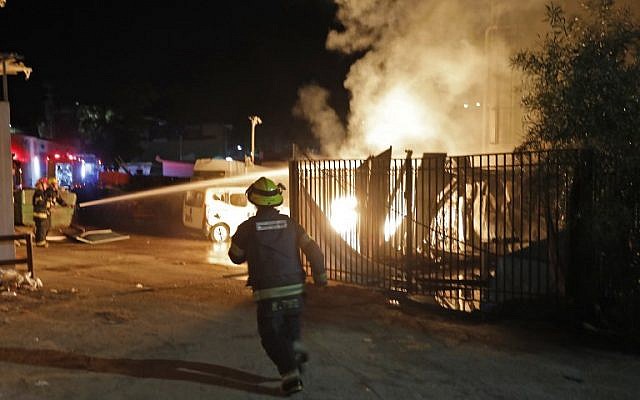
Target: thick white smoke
[313, 105]
[422, 80]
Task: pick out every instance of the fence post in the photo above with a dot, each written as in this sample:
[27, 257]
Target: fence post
[409, 223]
[294, 181]
[581, 279]
[30, 256]
[13, 260]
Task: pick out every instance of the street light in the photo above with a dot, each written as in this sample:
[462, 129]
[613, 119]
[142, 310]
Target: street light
[255, 120]
[11, 64]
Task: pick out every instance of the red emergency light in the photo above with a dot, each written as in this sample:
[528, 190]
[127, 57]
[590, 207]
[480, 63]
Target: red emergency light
[15, 155]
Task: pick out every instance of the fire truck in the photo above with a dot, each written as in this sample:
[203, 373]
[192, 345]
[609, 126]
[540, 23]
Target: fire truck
[35, 158]
[74, 170]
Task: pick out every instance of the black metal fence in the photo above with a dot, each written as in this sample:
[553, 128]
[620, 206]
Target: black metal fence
[467, 232]
[604, 270]
[28, 259]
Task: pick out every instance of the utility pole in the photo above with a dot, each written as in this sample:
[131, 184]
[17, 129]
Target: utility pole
[10, 64]
[255, 120]
[7, 249]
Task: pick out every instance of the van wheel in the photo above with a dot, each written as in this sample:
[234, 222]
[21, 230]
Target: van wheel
[219, 232]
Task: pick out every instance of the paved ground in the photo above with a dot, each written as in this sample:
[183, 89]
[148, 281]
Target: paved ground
[166, 318]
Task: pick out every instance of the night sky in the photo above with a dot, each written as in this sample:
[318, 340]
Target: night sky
[184, 61]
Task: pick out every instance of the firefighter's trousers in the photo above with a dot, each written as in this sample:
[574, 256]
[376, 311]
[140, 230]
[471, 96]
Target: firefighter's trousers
[279, 328]
[42, 227]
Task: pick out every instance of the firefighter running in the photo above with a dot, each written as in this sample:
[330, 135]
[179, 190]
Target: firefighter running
[269, 242]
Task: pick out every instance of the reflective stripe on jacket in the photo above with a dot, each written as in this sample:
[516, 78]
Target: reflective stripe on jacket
[40, 203]
[270, 243]
[280, 291]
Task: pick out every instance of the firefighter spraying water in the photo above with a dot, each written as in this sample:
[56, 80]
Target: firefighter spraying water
[233, 180]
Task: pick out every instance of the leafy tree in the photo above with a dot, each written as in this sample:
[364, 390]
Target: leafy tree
[584, 82]
[93, 121]
[582, 91]
[107, 131]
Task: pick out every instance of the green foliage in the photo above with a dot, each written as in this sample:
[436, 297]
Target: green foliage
[108, 132]
[583, 83]
[582, 91]
[93, 122]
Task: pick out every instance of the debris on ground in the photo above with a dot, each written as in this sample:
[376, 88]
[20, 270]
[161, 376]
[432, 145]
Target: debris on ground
[12, 280]
[56, 236]
[93, 236]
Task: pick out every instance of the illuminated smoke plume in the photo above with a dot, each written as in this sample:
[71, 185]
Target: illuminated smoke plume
[421, 79]
[313, 105]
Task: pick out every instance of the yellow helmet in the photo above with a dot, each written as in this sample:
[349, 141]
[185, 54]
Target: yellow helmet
[264, 192]
[53, 181]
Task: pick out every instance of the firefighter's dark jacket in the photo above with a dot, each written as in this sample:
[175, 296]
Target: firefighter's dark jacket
[40, 203]
[269, 242]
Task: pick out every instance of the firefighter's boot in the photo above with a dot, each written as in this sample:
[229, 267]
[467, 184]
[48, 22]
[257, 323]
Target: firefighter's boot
[291, 383]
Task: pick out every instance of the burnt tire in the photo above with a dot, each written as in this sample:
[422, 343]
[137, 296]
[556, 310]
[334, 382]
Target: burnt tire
[219, 233]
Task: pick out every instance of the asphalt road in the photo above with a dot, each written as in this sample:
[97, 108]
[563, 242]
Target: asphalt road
[157, 317]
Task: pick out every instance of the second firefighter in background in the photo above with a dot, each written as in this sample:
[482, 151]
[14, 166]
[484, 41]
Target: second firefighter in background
[45, 197]
[41, 211]
[270, 242]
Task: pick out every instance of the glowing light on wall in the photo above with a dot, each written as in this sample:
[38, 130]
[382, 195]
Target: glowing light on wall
[35, 167]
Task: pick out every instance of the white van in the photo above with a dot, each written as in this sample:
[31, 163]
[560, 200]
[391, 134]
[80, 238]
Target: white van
[217, 211]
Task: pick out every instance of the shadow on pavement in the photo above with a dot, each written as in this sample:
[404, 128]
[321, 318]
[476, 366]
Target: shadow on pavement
[209, 374]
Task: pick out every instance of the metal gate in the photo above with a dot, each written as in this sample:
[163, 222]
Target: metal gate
[466, 232]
